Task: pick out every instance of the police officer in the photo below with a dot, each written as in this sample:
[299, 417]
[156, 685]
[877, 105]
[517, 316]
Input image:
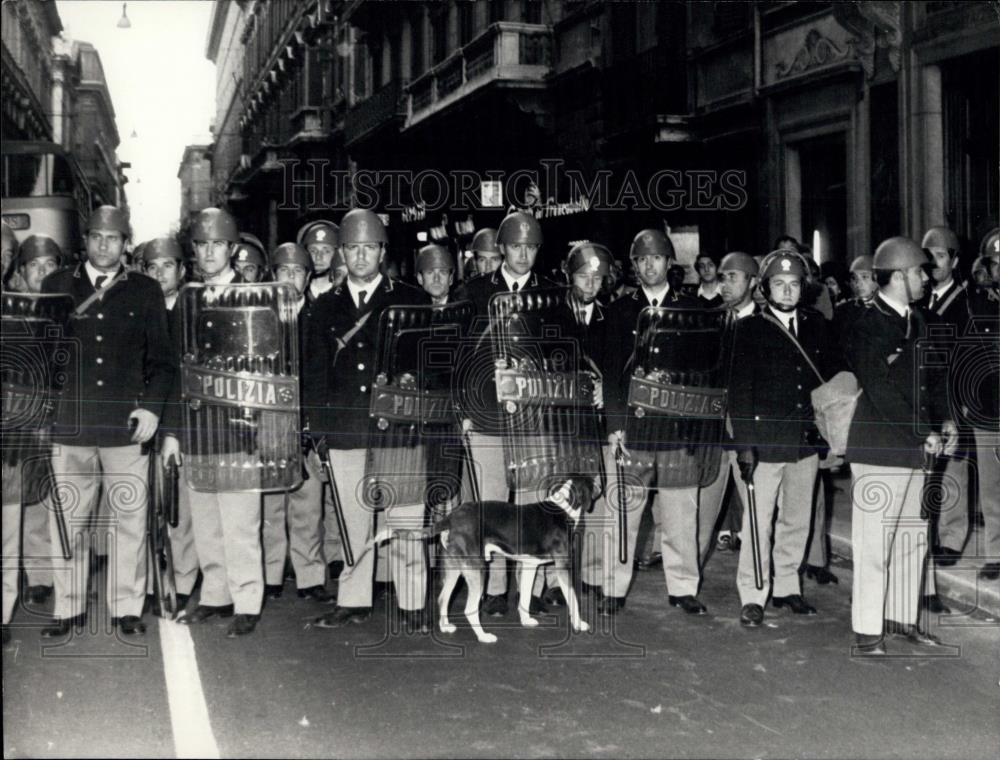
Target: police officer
[249, 260]
[485, 252]
[226, 525]
[947, 304]
[886, 447]
[651, 254]
[435, 272]
[706, 265]
[321, 239]
[340, 359]
[519, 240]
[780, 356]
[125, 376]
[164, 262]
[301, 509]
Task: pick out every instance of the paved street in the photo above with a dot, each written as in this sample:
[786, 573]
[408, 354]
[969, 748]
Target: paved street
[661, 683]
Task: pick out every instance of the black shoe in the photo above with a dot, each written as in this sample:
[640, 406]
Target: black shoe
[414, 621]
[495, 606]
[317, 594]
[587, 588]
[182, 602]
[335, 568]
[610, 605]
[945, 557]
[553, 597]
[688, 603]
[820, 574]
[383, 589]
[795, 603]
[867, 645]
[242, 625]
[990, 571]
[735, 543]
[6, 634]
[130, 625]
[273, 591]
[934, 605]
[645, 563]
[342, 616]
[205, 612]
[62, 626]
[912, 634]
[536, 606]
[38, 594]
[751, 616]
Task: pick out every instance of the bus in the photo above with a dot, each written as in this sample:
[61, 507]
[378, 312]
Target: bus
[44, 191]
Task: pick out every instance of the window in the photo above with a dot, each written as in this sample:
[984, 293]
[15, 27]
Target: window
[466, 21]
[531, 11]
[417, 46]
[439, 30]
[496, 11]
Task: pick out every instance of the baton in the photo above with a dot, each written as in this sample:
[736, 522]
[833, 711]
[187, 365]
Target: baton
[470, 467]
[622, 511]
[323, 452]
[170, 496]
[67, 552]
[758, 572]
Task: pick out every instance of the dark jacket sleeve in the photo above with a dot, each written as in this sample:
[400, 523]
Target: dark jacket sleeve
[868, 354]
[741, 383]
[160, 365]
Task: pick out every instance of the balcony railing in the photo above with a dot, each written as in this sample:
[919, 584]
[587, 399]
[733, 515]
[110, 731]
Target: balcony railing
[513, 53]
[385, 106]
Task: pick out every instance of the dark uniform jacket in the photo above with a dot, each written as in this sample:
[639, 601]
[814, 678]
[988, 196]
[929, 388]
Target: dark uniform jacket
[901, 394]
[480, 289]
[844, 316]
[948, 321]
[126, 360]
[622, 319]
[338, 377]
[770, 385]
[976, 396]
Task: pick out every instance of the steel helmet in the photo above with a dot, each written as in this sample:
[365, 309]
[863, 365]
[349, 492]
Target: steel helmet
[109, 218]
[214, 224]
[434, 256]
[9, 240]
[291, 253]
[360, 225]
[738, 261]
[248, 253]
[990, 246]
[862, 264]
[783, 261]
[320, 231]
[139, 252]
[651, 242]
[941, 237]
[519, 228]
[592, 257]
[161, 248]
[898, 253]
[36, 246]
[485, 240]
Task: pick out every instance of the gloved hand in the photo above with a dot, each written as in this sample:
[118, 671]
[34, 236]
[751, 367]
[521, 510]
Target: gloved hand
[746, 460]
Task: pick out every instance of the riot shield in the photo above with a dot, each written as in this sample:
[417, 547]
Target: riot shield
[544, 389]
[240, 387]
[414, 449]
[677, 394]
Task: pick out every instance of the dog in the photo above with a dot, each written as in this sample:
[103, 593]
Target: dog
[532, 535]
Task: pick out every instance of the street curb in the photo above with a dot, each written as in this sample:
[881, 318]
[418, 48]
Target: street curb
[958, 583]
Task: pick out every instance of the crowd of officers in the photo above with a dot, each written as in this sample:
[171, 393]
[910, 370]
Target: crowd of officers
[796, 328]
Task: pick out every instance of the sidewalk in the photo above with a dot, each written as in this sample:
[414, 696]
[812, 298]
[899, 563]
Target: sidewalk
[958, 584]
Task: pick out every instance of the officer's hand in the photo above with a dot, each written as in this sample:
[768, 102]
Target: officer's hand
[466, 425]
[950, 431]
[746, 460]
[933, 445]
[598, 392]
[171, 448]
[146, 424]
[617, 441]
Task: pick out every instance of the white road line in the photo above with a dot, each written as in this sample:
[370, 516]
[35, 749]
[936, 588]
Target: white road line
[193, 735]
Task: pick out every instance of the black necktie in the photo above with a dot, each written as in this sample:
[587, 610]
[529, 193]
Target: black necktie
[934, 301]
[791, 327]
[514, 287]
[654, 302]
[361, 298]
[101, 279]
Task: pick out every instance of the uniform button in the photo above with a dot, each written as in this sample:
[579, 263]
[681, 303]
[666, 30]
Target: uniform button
[361, 366]
[799, 387]
[100, 360]
[100, 382]
[100, 316]
[364, 388]
[361, 345]
[99, 338]
[798, 406]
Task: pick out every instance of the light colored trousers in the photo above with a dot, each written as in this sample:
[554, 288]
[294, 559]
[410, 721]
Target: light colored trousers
[301, 511]
[785, 488]
[11, 532]
[988, 464]
[687, 517]
[889, 544]
[80, 473]
[36, 547]
[226, 528]
[407, 566]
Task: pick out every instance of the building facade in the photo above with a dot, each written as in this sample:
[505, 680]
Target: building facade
[195, 174]
[28, 31]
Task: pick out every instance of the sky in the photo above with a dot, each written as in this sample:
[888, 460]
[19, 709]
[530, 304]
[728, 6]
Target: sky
[162, 88]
